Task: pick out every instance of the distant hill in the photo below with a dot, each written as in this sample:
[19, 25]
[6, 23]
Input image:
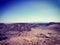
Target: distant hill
[27, 26]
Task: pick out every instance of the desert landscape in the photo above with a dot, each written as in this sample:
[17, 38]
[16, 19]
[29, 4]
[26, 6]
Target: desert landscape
[30, 33]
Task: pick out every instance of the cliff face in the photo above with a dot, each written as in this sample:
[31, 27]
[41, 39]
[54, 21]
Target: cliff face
[9, 30]
[15, 26]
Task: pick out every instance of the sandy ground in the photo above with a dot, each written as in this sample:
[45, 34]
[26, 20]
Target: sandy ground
[34, 37]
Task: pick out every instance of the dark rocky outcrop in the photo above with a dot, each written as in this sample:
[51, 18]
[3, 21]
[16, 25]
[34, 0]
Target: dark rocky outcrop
[2, 36]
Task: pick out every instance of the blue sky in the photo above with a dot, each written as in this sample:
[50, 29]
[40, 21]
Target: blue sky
[29, 11]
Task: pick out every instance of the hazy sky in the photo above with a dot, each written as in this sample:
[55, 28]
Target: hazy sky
[29, 11]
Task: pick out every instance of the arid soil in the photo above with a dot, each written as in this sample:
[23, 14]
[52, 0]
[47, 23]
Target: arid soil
[39, 35]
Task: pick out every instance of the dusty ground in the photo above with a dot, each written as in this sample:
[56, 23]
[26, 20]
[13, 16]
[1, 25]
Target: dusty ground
[36, 36]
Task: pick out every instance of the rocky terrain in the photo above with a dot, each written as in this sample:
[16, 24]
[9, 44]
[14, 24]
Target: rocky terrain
[30, 34]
